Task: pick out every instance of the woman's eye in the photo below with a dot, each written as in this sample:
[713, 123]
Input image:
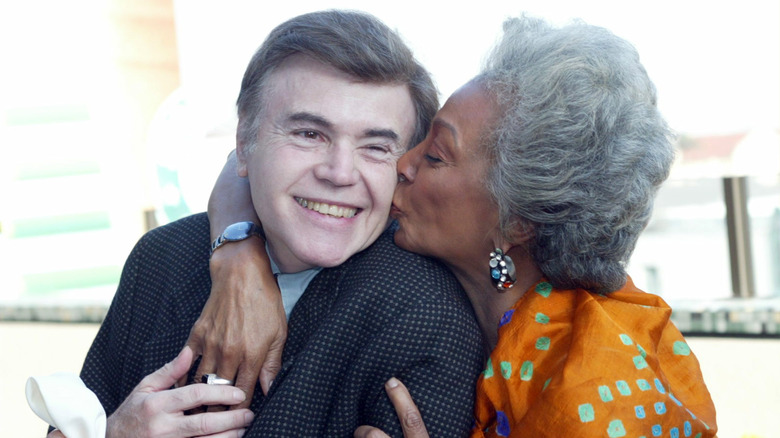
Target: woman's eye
[433, 159]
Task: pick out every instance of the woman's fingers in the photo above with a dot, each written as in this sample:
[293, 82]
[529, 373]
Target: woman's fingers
[273, 359]
[194, 343]
[408, 414]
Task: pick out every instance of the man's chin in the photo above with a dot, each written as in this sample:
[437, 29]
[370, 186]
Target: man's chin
[328, 260]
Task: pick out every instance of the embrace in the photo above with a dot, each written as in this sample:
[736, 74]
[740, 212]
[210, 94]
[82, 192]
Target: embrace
[471, 256]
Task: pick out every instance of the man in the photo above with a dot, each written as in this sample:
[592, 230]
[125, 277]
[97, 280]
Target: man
[327, 105]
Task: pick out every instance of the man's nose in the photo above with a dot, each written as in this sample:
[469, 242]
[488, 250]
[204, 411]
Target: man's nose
[338, 166]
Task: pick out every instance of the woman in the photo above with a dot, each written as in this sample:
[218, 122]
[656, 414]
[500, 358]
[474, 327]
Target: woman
[532, 186]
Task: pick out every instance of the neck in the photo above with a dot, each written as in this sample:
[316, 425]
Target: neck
[489, 303]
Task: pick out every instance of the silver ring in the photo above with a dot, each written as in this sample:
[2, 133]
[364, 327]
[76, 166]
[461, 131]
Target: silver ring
[213, 379]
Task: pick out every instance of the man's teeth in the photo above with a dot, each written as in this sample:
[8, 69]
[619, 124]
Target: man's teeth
[330, 210]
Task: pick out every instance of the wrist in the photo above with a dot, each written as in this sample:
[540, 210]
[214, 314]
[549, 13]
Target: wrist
[237, 232]
[240, 256]
[245, 261]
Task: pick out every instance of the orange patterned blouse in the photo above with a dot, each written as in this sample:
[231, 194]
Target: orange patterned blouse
[574, 363]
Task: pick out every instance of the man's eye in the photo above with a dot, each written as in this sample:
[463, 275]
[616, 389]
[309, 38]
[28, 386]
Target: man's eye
[312, 135]
[379, 148]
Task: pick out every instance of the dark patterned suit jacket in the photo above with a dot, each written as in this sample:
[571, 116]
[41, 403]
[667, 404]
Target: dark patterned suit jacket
[385, 312]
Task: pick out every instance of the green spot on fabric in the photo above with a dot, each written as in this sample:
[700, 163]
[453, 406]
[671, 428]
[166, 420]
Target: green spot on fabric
[541, 318]
[586, 413]
[698, 435]
[681, 348]
[643, 384]
[546, 383]
[626, 339]
[543, 343]
[488, 373]
[527, 370]
[639, 362]
[641, 351]
[622, 387]
[616, 429]
[543, 289]
[605, 393]
[506, 369]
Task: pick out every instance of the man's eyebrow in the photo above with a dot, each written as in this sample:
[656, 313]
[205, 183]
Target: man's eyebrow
[384, 133]
[304, 116]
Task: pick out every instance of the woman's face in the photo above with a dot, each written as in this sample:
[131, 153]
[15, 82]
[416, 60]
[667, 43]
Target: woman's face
[441, 203]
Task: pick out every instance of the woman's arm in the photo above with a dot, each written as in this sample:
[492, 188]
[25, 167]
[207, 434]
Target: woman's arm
[242, 329]
[230, 200]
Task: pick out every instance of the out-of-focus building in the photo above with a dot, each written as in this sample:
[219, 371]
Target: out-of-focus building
[684, 253]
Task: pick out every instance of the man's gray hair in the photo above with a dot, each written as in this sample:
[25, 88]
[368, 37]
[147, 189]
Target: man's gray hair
[353, 42]
[579, 151]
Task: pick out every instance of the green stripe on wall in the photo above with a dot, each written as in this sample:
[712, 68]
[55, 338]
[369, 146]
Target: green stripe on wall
[73, 279]
[72, 223]
[46, 114]
[57, 169]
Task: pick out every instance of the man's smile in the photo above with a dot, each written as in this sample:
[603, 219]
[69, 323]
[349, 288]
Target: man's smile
[328, 209]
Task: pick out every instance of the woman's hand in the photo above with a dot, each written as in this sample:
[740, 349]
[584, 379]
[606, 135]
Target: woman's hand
[153, 410]
[241, 332]
[408, 414]
[242, 329]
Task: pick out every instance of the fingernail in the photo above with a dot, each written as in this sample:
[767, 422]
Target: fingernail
[248, 417]
[392, 383]
[239, 395]
[241, 433]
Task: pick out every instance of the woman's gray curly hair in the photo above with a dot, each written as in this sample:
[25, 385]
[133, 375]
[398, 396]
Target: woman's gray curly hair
[579, 151]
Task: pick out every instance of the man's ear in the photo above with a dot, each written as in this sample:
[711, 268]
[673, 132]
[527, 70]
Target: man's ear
[242, 155]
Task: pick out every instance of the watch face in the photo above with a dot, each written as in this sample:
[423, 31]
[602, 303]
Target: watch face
[237, 231]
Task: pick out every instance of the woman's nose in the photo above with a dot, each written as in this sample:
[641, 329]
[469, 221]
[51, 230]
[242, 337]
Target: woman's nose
[407, 164]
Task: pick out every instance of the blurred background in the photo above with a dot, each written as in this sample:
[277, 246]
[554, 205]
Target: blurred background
[117, 115]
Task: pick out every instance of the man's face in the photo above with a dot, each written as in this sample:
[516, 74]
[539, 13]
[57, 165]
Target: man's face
[323, 172]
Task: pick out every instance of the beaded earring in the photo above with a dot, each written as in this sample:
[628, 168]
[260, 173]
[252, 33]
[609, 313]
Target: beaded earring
[502, 270]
